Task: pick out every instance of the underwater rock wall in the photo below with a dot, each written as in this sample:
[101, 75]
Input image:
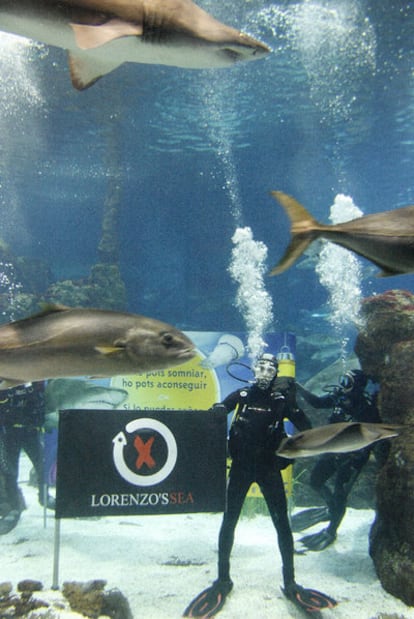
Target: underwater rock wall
[385, 347]
[104, 288]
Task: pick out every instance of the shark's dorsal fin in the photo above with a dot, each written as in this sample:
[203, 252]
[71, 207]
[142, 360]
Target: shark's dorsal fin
[92, 36]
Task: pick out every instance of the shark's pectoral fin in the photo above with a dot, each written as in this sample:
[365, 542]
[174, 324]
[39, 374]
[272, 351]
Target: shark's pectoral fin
[85, 70]
[92, 36]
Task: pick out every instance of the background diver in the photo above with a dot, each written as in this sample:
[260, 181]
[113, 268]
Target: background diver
[349, 401]
[256, 432]
[22, 417]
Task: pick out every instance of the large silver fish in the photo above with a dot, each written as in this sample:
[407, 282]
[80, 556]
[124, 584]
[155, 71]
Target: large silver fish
[63, 342]
[100, 35]
[387, 238]
[335, 438]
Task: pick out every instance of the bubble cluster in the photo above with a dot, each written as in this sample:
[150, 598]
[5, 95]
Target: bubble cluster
[20, 98]
[247, 268]
[336, 46]
[9, 286]
[20, 90]
[339, 270]
[247, 265]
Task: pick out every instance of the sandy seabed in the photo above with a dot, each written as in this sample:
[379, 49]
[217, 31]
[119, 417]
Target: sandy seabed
[161, 562]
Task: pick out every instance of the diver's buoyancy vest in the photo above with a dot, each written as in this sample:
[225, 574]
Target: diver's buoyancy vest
[257, 425]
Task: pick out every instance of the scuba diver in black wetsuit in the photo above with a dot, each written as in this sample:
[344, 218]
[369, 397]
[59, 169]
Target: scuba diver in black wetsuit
[349, 402]
[22, 416]
[256, 432]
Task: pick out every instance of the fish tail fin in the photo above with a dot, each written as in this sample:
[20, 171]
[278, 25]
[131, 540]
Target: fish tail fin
[304, 230]
[297, 213]
[295, 249]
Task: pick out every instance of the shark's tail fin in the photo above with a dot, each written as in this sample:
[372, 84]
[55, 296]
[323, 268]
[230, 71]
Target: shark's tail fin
[304, 230]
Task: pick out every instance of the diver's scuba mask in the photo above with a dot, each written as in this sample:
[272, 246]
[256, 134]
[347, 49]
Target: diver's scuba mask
[353, 380]
[346, 382]
[265, 370]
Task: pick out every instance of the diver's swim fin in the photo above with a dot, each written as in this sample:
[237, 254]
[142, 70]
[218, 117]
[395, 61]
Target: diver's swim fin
[308, 517]
[9, 521]
[318, 541]
[309, 600]
[210, 601]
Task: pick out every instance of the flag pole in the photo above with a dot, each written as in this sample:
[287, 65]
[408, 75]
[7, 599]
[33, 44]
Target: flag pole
[56, 554]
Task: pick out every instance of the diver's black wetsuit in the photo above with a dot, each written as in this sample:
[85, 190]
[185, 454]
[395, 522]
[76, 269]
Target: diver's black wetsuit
[256, 432]
[355, 405]
[22, 414]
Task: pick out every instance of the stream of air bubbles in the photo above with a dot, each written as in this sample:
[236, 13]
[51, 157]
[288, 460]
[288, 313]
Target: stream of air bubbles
[339, 271]
[248, 259]
[19, 96]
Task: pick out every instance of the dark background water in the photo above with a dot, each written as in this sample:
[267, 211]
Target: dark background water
[330, 111]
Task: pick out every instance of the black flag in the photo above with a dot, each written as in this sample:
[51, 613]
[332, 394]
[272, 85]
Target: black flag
[113, 463]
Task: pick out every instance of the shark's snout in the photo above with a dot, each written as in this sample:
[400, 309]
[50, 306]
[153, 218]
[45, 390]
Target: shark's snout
[246, 49]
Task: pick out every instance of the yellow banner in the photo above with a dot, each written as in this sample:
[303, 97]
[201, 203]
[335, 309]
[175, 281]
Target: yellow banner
[206, 379]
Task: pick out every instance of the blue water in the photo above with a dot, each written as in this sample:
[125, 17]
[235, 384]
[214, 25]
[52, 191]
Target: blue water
[196, 153]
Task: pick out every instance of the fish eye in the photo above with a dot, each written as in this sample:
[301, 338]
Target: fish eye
[167, 339]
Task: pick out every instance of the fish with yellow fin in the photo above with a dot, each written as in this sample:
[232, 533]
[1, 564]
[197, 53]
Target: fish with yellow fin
[386, 239]
[62, 342]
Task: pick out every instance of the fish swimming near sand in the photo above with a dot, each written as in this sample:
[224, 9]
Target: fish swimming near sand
[387, 238]
[335, 438]
[100, 35]
[64, 342]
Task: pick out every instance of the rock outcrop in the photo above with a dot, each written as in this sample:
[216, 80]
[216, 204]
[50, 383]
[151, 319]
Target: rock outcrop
[385, 347]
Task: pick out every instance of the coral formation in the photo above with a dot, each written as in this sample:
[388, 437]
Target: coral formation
[13, 605]
[88, 599]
